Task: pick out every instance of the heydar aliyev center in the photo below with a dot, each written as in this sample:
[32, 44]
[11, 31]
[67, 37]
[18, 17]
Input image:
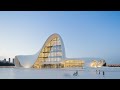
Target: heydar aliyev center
[52, 55]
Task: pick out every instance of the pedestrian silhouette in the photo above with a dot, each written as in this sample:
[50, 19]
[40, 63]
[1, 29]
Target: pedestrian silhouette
[99, 71]
[75, 73]
[96, 71]
[103, 73]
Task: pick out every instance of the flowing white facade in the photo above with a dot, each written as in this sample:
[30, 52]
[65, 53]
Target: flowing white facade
[26, 61]
[52, 55]
[53, 51]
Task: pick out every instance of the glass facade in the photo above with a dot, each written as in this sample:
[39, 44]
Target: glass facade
[52, 55]
[52, 52]
[73, 63]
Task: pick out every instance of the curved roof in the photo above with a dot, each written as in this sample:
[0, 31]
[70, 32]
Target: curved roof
[29, 60]
[25, 60]
[52, 37]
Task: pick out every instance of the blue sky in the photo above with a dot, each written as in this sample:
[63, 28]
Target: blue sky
[85, 33]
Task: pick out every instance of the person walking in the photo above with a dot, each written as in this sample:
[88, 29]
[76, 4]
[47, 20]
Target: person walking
[99, 71]
[96, 71]
[75, 73]
[103, 73]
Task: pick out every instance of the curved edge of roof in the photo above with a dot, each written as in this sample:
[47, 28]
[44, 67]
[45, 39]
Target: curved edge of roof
[33, 58]
[49, 39]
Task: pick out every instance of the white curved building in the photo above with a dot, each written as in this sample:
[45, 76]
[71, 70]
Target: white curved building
[25, 60]
[53, 51]
[52, 55]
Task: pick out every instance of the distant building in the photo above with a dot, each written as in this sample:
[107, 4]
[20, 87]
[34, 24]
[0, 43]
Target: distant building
[9, 60]
[13, 60]
[4, 60]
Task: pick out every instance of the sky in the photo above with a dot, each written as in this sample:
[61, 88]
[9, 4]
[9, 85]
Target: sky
[84, 33]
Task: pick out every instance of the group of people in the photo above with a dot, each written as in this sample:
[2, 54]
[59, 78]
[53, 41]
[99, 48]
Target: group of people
[75, 73]
[98, 71]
